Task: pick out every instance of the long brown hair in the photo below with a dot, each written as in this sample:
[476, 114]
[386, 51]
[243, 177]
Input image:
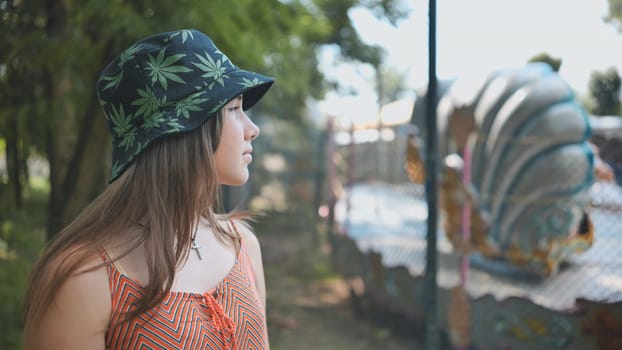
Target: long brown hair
[167, 190]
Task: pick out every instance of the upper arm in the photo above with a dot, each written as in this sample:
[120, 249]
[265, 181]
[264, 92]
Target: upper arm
[78, 316]
[253, 249]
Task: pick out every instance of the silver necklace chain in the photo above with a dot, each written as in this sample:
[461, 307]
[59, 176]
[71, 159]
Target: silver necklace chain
[195, 246]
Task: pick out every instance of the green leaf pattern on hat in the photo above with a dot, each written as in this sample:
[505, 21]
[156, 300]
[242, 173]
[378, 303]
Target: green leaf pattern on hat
[168, 83]
[249, 83]
[129, 54]
[153, 120]
[185, 33]
[214, 69]
[173, 126]
[190, 104]
[162, 70]
[148, 102]
[122, 126]
[114, 80]
[116, 169]
[218, 106]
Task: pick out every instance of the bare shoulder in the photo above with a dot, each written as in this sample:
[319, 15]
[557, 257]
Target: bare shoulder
[79, 312]
[247, 234]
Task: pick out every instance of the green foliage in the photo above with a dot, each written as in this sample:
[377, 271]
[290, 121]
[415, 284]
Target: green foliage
[13, 281]
[544, 57]
[54, 51]
[605, 87]
[390, 84]
[615, 14]
[23, 234]
[605, 91]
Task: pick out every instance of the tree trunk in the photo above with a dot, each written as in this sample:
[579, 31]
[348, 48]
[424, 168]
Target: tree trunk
[76, 147]
[13, 161]
[76, 140]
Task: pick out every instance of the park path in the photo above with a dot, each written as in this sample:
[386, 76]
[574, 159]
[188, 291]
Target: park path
[308, 303]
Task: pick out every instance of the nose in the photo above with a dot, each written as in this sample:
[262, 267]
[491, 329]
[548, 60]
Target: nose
[252, 130]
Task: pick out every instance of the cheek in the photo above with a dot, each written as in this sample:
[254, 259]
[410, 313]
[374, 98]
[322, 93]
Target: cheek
[232, 130]
[223, 153]
[227, 147]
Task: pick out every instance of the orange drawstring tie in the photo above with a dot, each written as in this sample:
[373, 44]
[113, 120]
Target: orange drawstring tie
[223, 323]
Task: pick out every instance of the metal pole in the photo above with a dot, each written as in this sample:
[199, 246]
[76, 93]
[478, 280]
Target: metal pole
[431, 336]
[331, 172]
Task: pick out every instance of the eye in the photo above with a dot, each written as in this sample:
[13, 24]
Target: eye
[235, 104]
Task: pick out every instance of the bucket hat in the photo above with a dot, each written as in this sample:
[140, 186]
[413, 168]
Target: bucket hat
[169, 83]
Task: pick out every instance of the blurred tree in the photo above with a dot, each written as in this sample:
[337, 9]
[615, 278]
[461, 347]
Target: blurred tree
[390, 84]
[54, 49]
[604, 89]
[20, 96]
[615, 14]
[544, 57]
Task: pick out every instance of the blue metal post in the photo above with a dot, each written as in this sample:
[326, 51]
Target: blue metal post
[431, 336]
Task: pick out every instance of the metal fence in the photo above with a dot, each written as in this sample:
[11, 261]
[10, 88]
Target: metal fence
[487, 300]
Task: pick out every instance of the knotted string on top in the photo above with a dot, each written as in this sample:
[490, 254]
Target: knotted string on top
[223, 324]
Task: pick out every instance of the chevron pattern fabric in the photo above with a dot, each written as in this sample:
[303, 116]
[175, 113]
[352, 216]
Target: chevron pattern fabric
[232, 319]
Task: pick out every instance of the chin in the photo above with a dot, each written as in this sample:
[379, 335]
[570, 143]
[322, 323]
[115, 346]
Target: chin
[235, 181]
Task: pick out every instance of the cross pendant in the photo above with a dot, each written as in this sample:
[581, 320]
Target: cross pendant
[196, 246]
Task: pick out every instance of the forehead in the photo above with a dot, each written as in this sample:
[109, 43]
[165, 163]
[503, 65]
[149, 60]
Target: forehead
[235, 100]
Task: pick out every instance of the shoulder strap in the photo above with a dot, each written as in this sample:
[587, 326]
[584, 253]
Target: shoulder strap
[234, 227]
[111, 263]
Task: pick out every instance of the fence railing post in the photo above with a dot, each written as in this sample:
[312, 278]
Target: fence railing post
[431, 336]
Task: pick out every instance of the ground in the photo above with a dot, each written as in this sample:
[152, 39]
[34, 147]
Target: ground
[308, 303]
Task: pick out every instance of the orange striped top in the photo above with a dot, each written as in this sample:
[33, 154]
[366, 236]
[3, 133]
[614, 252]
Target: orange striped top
[233, 319]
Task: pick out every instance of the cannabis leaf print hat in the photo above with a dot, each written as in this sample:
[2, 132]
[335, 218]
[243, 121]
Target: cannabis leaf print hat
[169, 83]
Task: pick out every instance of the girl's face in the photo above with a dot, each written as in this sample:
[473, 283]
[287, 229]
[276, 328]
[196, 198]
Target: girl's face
[233, 154]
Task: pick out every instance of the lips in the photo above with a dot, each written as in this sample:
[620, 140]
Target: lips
[248, 154]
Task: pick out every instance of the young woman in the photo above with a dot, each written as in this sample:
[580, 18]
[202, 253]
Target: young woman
[150, 263]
